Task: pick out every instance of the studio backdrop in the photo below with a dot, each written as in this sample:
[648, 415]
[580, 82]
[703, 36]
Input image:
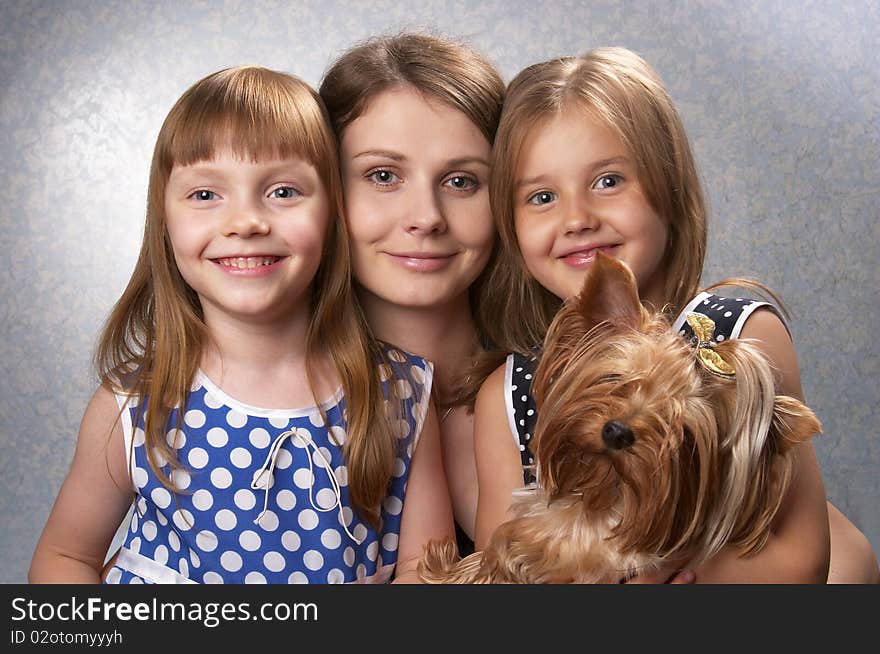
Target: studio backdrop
[781, 101]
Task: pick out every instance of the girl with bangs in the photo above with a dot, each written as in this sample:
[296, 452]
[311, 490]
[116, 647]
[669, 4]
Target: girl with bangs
[262, 434]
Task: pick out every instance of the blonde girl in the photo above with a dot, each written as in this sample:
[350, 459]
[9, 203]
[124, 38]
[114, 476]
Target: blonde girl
[242, 405]
[591, 156]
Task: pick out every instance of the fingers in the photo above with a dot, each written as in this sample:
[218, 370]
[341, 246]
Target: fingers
[683, 577]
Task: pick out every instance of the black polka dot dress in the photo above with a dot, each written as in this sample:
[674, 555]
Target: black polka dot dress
[521, 412]
[728, 314]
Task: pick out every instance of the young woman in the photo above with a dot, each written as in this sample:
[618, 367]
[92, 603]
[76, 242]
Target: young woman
[416, 117]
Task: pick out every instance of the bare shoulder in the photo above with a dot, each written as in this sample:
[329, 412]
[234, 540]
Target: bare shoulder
[493, 437]
[490, 410]
[770, 334]
[765, 325]
[492, 390]
[499, 466]
[100, 434]
[103, 405]
[101, 414]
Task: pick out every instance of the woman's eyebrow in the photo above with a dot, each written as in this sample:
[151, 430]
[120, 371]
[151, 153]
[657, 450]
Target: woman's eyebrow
[463, 161]
[387, 154]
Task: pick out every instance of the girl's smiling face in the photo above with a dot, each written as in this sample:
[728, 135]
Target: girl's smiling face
[577, 192]
[247, 236]
[415, 173]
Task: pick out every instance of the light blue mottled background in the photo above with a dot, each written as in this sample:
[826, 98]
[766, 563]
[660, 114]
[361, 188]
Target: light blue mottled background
[781, 101]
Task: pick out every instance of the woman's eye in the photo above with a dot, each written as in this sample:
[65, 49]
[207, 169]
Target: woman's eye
[382, 177]
[462, 182]
[542, 197]
[608, 181]
[203, 195]
[284, 193]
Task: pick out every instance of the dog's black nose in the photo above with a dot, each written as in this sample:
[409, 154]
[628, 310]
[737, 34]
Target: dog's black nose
[617, 435]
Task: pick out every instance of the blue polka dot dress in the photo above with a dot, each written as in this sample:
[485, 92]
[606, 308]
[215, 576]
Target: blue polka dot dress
[264, 494]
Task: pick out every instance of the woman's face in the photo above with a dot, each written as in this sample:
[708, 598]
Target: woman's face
[415, 173]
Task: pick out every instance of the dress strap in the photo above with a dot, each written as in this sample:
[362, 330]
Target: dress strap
[729, 314]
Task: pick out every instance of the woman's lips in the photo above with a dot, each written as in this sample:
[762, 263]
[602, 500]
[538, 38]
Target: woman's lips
[419, 262]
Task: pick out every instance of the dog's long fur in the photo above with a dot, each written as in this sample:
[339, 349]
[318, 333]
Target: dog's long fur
[709, 463]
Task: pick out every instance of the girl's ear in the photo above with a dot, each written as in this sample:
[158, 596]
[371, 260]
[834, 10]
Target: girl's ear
[610, 293]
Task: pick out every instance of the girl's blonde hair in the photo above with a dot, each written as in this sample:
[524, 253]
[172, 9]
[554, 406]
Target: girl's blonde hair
[439, 68]
[618, 88]
[152, 342]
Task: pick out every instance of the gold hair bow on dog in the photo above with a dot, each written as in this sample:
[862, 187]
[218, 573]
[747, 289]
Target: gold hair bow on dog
[704, 329]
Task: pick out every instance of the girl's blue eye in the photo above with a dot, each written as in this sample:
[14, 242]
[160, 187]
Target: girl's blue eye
[542, 197]
[284, 193]
[608, 181]
[204, 195]
[382, 177]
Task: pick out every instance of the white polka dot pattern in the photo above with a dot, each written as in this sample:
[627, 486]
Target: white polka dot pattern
[194, 418]
[250, 540]
[202, 499]
[245, 499]
[180, 479]
[221, 478]
[161, 497]
[217, 436]
[209, 532]
[259, 437]
[254, 578]
[286, 499]
[175, 438]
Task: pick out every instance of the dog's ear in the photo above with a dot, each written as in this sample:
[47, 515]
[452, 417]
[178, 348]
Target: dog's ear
[793, 422]
[610, 293]
[759, 470]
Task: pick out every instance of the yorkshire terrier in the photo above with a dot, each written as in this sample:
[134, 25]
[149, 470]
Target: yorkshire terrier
[650, 451]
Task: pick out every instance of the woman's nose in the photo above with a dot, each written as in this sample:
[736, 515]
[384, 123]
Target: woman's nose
[424, 214]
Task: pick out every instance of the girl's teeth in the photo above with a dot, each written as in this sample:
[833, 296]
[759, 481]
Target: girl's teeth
[248, 262]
